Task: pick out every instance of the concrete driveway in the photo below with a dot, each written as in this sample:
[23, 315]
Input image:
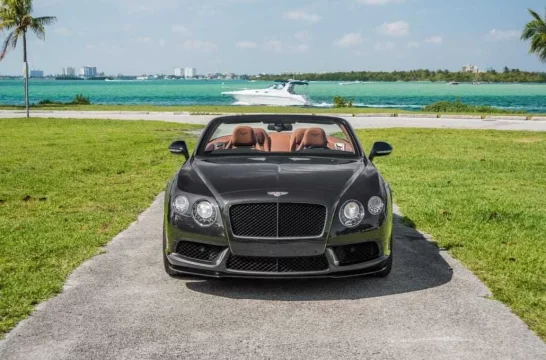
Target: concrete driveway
[122, 305]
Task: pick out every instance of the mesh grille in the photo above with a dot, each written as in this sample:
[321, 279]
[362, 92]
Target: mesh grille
[277, 220]
[358, 253]
[199, 251]
[301, 220]
[257, 220]
[280, 265]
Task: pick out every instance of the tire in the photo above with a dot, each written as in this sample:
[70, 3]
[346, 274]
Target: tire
[387, 270]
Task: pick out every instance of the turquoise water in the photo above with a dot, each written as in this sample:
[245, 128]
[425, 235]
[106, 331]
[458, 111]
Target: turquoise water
[529, 97]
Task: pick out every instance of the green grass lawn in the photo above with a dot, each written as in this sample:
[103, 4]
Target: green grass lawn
[482, 195]
[67, 188]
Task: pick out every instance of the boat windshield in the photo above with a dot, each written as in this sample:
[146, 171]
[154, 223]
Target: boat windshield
[300, 137]
[276, 87]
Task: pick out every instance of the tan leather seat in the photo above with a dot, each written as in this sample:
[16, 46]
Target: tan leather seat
[314, 138]
[296, 138]
[242, 136]
[262, 139]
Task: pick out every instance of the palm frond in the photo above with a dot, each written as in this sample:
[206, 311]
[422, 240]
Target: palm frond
[535, 15]
[38, 30]
[7, 24]
[45, 20]
[5, 45]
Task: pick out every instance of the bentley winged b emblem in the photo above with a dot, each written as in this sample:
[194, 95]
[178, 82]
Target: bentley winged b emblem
[277, 194]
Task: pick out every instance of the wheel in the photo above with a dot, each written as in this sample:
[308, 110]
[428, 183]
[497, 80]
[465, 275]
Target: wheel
[166, 264]
[387, 270]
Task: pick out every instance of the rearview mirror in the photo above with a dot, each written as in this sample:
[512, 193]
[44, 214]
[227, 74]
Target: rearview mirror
[380, 148]
[279, 127]
[179, 148]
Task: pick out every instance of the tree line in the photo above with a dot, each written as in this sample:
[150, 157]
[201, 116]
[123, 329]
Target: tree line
[507, 75]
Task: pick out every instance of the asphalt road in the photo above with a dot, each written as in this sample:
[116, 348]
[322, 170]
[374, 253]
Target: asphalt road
[122, 305]
[357, 122]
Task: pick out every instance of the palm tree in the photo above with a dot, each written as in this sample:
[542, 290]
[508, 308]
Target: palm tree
[535, 30]
[16, 19]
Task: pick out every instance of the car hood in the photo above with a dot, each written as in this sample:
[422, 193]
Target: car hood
[254, 174]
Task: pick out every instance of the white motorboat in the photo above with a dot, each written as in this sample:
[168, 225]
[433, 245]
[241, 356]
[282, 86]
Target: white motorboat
[453, 83]
[279, 94]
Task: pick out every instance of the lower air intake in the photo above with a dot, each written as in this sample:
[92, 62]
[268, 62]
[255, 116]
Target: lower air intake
[277, 265]
[199, 251]
[357, 253]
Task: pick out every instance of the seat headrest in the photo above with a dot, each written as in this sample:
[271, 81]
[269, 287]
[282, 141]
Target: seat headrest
[297, 135]
[314, 137]
[261, 135]
[243, 136]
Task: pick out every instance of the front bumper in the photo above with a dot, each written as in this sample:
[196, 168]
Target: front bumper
[219, 268]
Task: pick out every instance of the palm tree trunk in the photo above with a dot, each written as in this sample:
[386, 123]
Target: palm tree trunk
[26, 72]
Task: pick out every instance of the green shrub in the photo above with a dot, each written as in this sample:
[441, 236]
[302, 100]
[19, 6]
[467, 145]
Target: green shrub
[81, 100]
[341, 102]
[458, 106]
[49, 102]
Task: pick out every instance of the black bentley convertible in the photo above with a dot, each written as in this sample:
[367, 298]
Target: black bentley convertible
[278, 196]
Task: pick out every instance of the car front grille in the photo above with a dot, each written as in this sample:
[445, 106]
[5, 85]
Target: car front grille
[277, 265]
[277, 220]
[199, 251]
[357, 253]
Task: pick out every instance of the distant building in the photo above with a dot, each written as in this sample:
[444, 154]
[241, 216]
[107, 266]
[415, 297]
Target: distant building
[69, 71]
[88, 71]
[36, 73]
[178, 72]
[190, 72]
[471, 68]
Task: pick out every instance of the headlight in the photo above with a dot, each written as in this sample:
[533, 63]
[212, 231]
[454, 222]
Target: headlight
[204, 213]
[351, 213]
[181, 204]
[375, 205]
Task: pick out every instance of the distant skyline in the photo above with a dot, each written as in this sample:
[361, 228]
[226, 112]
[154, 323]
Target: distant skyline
[254, 36]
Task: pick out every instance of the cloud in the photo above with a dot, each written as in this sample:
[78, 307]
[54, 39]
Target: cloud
[302, 15]
[246, 45]
[413, 44]
[397, 28]
[301, 48]
[379, 2]
[349, 40]
[62, 31]
[302, 35]
[181, 30]
[146, 7]
[273, 45]
[162, 43]
[434, 40]
[384, 46]
[199, 45]
[498, 35]
[279, 46]
[143, 39]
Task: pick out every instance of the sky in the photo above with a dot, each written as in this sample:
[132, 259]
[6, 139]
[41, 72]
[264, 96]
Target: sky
[271, 36]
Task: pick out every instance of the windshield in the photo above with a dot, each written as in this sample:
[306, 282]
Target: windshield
[281, 137]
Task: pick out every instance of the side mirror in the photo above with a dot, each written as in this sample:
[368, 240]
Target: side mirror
[380, 148]
[179, 148]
